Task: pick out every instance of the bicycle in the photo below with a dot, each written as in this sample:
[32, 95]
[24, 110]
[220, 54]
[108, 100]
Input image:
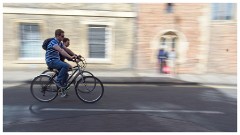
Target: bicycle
[89, 89]
[50, 71]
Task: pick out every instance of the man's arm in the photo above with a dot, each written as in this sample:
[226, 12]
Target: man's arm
[60, 50]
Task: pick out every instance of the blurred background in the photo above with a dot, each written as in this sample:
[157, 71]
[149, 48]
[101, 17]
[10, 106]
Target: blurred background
[125, 36]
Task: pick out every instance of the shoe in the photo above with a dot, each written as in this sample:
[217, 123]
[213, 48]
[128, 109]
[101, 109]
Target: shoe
[64, 93]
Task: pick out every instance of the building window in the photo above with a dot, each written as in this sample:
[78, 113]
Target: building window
[98, 40]
[222, 11]
[169, 8]
[168, 40]
[173, 43]
[30, 41]
[163, 40]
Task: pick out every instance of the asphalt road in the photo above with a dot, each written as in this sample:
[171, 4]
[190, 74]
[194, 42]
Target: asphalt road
[125, 108]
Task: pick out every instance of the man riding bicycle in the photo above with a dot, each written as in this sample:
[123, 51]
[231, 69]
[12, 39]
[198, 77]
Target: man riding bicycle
[52, 57]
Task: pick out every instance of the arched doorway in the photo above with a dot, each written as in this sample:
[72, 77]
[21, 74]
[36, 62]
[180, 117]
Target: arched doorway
[169, 39]
[167, 47]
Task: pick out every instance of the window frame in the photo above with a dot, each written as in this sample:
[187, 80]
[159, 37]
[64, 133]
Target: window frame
[104, 44]
[169, 8]
[217, 8]
[24, 40]
[168, 41]
[17, 42]
[109, 45]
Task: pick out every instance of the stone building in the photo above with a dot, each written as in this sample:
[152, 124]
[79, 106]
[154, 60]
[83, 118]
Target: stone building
[204, 36]
[102, 33]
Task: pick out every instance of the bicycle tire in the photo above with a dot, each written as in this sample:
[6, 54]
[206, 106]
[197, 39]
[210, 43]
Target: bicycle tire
[84, 93]
[43, 88]
[84, 73]
[87, 72]
[49, 72]
[44, 72]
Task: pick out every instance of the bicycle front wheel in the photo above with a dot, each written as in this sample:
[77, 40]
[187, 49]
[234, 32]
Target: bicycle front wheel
[43, 88]
[89, 89]
[87, 73]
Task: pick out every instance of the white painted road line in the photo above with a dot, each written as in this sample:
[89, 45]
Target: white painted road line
[132, 110]
[184, 86]
[221, 86]
[131, 85]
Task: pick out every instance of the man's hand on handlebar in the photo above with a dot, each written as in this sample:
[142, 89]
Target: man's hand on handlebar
[76, 58]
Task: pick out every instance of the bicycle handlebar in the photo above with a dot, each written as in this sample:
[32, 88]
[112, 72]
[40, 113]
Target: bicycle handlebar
[77, 57]
[82, 60]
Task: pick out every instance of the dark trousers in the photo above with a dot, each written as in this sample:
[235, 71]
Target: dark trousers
[162, 63]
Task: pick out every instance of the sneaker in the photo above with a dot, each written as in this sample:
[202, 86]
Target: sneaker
[63, 93]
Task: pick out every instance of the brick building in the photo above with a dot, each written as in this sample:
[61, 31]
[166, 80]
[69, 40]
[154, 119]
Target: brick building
[101, 33]
[203, 35]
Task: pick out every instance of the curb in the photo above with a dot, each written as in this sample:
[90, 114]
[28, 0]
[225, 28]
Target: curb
[135, 82]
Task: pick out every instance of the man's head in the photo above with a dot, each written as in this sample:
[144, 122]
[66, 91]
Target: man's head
[59, 34]
[66, 42]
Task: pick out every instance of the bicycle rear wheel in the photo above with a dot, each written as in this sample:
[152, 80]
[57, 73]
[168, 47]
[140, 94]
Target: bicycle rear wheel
[44, 72]
[43, 88]
[49, 72]
[89, 89]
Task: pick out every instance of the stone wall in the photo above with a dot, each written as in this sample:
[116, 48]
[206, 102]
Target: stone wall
[75, 27]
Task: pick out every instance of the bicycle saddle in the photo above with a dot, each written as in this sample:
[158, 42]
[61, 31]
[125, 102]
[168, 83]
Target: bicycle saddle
[50, 68]
[53, 70]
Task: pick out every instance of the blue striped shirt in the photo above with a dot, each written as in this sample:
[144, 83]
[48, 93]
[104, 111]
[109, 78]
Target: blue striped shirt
[51, 53]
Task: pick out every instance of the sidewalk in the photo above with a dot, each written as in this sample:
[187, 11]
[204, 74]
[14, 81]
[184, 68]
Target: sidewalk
[133, 77]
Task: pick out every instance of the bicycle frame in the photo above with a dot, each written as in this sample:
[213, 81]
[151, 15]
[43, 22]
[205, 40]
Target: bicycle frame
[75, 74]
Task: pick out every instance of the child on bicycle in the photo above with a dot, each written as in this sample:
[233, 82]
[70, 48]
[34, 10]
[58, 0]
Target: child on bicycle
[66, 42]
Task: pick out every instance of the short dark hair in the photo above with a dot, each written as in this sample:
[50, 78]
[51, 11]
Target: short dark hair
[58, 32]
[65, 40]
